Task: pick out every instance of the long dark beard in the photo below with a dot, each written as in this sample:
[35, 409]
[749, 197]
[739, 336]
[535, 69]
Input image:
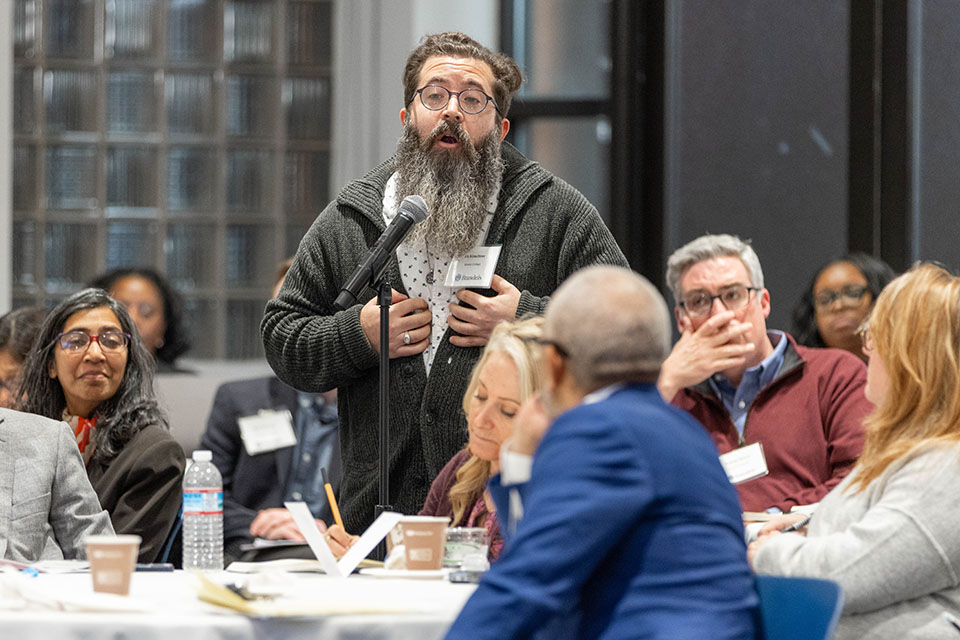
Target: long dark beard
[456, 184]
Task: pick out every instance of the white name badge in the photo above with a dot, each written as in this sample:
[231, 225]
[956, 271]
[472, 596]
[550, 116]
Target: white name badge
[745, 463]
[268, 430]
[474, 269]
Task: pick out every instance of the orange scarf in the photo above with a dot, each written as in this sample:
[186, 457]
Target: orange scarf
[82, 429]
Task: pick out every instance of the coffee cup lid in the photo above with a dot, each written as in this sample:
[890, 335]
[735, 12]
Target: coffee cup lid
[444, 519]
[118, 539]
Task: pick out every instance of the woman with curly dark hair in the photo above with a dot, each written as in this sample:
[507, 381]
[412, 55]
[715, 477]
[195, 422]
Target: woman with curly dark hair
[155, 308]
[840, 296]
[17, 331]
[91, 370]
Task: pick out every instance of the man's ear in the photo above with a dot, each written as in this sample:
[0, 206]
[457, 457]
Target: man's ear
[504, 128]
[403, 116]
[678, 316]
[765, 302]
[555, 366]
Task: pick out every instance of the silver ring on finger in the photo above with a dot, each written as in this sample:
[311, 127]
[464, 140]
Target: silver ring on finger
[406, 337]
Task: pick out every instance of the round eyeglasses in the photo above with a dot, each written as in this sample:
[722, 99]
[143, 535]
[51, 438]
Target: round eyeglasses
[471, 101]
[849, 296]
[77, 341]
[698, 303]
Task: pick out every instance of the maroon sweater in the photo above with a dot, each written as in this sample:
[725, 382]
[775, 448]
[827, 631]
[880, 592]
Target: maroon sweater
[438, 501]
[809, 421]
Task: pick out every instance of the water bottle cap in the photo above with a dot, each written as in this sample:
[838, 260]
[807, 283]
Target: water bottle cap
[202, 455]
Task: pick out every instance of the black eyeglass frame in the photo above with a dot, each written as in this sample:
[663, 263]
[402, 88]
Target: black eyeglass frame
[683, 303]
[854, 292]
[543, 342]
[450, 94]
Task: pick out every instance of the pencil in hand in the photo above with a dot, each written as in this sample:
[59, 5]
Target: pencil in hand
[331, 498]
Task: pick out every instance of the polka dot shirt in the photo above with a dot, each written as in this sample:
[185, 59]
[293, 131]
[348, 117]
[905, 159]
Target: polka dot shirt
[423, 271]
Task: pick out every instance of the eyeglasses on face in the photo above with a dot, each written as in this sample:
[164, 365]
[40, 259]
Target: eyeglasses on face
[546, 341]
[698, 303]
[849, 296]
[77, 341]
[472, 101]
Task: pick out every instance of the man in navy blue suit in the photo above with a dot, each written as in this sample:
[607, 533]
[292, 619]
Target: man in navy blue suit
[630, 528]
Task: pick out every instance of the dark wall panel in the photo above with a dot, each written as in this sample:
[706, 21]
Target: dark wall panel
[756, 132]
[935, 63]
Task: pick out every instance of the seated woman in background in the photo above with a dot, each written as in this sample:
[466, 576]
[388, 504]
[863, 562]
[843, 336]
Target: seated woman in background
[505, 376]
[155, 308]
[17, 330]
[91, 370]
[838, 300]
[888, 532]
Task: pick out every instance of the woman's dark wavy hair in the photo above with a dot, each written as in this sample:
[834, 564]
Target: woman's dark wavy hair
[175, 340]
[877, 273]
[18, 328]
[120, 417]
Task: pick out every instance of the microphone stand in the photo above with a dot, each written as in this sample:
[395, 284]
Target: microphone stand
[384, 298]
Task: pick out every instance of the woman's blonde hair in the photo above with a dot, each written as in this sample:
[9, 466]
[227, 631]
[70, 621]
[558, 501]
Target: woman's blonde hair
[516, 340]
[915, 328]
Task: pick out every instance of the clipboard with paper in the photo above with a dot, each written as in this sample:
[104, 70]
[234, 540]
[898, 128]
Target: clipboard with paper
[355, 554]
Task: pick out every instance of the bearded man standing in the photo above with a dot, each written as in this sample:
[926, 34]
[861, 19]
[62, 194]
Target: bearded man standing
[480, 191]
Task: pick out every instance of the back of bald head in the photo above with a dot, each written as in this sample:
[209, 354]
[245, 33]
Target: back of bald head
[613, 324]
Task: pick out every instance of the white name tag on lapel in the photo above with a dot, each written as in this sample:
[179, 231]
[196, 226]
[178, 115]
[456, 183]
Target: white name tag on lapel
[268, 430]
[473, 269]
[745, 463]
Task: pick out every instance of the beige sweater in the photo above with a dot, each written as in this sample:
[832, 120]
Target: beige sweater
[894, 548]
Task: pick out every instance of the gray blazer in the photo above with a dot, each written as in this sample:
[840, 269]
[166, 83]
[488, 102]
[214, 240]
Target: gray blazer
[47, 505]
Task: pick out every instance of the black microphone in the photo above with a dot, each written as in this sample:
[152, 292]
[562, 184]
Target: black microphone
[412, 210]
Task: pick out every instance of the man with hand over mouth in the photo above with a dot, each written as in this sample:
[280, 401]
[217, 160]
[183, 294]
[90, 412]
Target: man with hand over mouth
[788, 417]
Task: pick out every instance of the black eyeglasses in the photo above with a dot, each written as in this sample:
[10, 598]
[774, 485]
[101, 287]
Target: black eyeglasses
[698, 303]
[546, 341]
[77, 341]
[849, 296]
[471, 101]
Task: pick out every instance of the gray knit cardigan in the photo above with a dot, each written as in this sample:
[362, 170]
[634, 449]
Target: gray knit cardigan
[548, 230]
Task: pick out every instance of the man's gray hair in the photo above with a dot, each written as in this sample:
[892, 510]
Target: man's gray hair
[613, 325]
[712, 246]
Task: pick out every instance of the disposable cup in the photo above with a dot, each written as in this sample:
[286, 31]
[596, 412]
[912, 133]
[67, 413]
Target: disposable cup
[423, 541]
[112, 560]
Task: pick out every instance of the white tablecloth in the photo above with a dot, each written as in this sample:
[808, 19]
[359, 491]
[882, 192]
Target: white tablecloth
[164, 606]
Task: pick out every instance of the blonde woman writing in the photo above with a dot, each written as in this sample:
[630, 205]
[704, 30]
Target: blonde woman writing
[504, 377]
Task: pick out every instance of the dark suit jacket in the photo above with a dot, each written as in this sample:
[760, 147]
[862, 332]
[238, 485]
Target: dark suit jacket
[252, 483]
[142, 487]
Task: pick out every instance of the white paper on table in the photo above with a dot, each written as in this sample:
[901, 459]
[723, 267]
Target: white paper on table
[370, 539]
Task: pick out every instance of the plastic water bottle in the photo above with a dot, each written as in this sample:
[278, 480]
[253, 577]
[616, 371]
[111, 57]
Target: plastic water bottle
[202, 515]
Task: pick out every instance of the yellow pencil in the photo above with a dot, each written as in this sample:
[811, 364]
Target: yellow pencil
[331, 498]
